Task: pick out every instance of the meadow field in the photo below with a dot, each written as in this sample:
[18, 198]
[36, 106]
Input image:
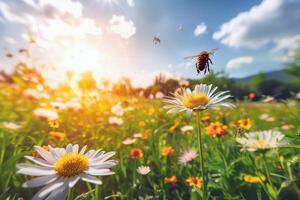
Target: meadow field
[156, 153]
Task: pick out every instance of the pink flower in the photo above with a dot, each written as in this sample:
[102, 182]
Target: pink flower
[188, 156]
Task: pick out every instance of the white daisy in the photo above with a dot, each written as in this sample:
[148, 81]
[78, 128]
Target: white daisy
[34, 94]
[73, 104]
[143, 170]
[129, 141]
[46, 114]
[11, 125]
[60, 168]
[187, 128]
[115, 120]
[201, 98]
[254, 141]
[117, 110]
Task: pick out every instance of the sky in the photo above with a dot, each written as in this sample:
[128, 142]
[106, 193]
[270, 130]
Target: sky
[114, 38]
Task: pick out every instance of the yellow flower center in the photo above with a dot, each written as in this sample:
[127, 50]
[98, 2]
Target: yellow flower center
[71, 164]
[261, 143]
[194, 100]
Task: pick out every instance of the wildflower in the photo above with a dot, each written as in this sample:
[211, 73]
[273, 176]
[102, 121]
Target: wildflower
[266, 117]
[142, 124]
[173, 127]
[254, 179]
[228, 114]
[167, 151]
[287, 126]
[151, 111]
[216, 129]
[251, 96]
[188, 156]
[159, 95]
[201, 98]
[117, 110]
[73, 105]
[232, 124]
[143, 170]
[129, 141]
[187, 129]
[136, 153]
[11, 125]
[268, 99]
[58, 105]
[194, 181]
[53, 124]
[115, 120]
[170, 180]
[57, 135]
[205, 118]
[262, 140]
[61, 168]
[144, 134]
[34, 94]
[245, 123]
[45, 114]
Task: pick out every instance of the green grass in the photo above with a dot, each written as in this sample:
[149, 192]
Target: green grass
[225, 163]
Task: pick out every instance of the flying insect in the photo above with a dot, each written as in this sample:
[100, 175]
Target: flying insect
[202, 60]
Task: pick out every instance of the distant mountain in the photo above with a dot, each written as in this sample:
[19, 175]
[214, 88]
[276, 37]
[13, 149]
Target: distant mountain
[279, 75]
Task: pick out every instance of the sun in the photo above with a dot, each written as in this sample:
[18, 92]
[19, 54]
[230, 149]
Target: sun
[81, 58]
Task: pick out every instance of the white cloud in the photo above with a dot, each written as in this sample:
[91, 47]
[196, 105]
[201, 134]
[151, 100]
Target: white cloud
[120, 26]
[236, 63]
[200, 29]
[131, 3]
[270, 22]
[52, 6]
[10, 40]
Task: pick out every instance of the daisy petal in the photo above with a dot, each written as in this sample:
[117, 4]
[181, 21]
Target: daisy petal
[39, 181]
[91, 179]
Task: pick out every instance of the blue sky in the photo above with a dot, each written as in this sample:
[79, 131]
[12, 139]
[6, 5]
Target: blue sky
[113, 38]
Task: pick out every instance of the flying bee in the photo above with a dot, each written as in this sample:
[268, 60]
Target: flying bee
[202, 60]
[156, 40]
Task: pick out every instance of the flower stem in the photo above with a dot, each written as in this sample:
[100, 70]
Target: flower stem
[200, 148]
[70, 194]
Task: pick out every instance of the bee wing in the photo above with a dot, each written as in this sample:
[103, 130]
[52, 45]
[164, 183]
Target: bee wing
[190, 57]
[213, 51]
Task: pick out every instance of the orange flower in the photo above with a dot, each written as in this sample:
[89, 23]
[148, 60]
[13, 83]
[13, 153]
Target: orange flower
[205, 118]
[171, 180]
[130, 116]
[287, 126]
[251, 96]
[57, 135]
[194, 181]
[232, 124]
[228, 114]
[136, 153]
[145, 134]
[142, 123]
[167, 151]
[245, 123]
[53, 124]
[216, 129]
[173, 127]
